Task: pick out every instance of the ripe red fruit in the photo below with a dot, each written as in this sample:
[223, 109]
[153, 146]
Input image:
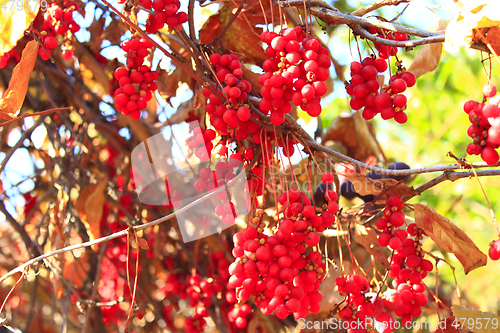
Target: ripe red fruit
[494, 251]
[489, 155]
[489, 90]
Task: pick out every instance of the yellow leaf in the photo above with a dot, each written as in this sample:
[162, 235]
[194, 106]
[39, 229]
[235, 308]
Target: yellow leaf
[427, 58]
[13, 98]
[473, 22]
[367, 237]
[449, 237]
[476, 321]
[15, 20]
[90, 205]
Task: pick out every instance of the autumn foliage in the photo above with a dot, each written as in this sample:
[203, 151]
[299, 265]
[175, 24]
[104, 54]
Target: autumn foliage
[175, 166]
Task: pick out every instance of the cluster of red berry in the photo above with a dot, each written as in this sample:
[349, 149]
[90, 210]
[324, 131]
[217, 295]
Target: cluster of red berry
[485, 126]
[137, 81]
[164, 12]
[295, 72]
[387, 51]
[56, 20]
[408, 266]
[360, 303]
[279, 270]
[200, 143]
[230, 115]
[364, 86]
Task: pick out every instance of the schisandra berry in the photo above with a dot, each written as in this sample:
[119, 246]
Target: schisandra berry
[494, 251]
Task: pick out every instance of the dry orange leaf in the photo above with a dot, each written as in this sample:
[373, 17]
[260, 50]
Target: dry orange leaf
[474, 320]
[13, 98]
[367, 237]
[14, 21]
[365, 186]
[476, 19]
[242, 36]
[427, 58]
[90, 205]
[449, 237]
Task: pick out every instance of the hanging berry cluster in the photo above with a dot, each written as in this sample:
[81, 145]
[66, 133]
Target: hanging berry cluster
[408, 266]
[137, 80]
[58, 20]
[388, 101]
[485, 126]
[230, 114]
[283, 271]
[164, 12]
[387, 51]
[295, 72]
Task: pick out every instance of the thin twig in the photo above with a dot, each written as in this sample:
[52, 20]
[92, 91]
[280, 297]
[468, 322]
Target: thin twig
[115, 235]
[26, 115]
[376, 5]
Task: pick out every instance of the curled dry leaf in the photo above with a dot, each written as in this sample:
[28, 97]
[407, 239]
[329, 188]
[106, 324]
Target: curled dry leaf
[365, 186]
[428, 57]
[169, 82]
[242, 36]
[13, 98]
[367, 237]
[476, 321]
[476, 19]
[143, 244]
[358, 144]
[14, 22]
[90, 205]
[449, 237]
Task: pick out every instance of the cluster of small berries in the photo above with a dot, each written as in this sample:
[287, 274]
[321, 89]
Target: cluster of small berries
[387, 51]
[231, 115]
[295, 72]
[388, 101]
[200, 143]
[164, 12]
[408, 266]
[136, 81]
[360, 303]
[485, 126]
[58, 20]
[279, 270]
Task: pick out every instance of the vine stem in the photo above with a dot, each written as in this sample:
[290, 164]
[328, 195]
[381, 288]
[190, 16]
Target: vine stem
[168, 54]
[26, 115]
[117, 234]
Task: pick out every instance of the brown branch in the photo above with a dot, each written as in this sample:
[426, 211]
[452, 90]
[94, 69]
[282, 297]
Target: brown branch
[115, 235]
[26, 115]
[376, 5]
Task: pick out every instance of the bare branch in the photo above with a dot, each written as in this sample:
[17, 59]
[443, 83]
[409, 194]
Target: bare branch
[376, 5]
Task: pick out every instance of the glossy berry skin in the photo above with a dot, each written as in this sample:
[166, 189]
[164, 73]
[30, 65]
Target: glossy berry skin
[347, 190]
[494, 251]
[399, 166]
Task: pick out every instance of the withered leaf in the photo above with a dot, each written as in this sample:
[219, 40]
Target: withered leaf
[367, 237]
[365, 186]
[242, 36]
[169, 82]
[13, 98]
[428, 57]
[343, 130]
[476, 19]
[143, 244]
[14, 21]
[448, 237]
[90, 205]
[474, 320]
